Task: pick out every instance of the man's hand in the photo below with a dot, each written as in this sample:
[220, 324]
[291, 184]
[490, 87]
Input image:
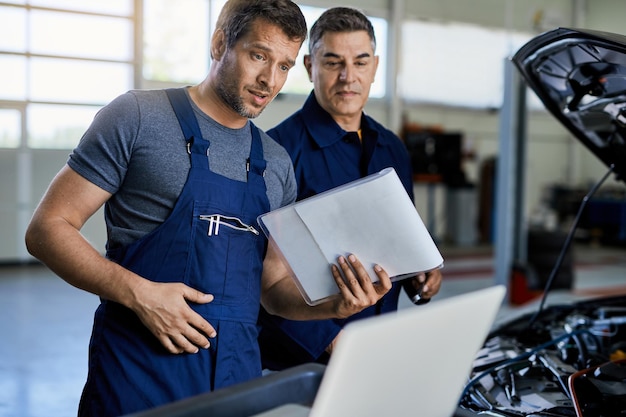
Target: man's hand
[427, 284]
[357, 291]
[163, 308]
[280, 295]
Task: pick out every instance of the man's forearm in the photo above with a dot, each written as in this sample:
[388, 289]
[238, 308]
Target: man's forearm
[69, 255]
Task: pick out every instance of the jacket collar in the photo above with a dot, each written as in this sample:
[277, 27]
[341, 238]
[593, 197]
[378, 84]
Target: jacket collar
[321, 126]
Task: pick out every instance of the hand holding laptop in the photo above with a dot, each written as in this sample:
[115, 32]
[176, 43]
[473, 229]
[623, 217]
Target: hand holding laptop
[357, 287]
[356, 290]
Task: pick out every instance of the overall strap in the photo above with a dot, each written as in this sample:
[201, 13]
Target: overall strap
[256, 162]
[189, 125]
[184, 113]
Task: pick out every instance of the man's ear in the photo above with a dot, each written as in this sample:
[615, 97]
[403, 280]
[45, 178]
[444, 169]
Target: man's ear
[308, 65]
[218, 44]
[376, 61]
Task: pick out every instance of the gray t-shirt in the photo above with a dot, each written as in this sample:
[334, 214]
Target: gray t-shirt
[136, 150]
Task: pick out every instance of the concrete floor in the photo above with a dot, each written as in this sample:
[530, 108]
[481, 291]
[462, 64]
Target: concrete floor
[45, 323]
[45, 326]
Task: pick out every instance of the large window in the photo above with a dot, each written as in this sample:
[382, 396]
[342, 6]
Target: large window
[455, 64]
[176, 39]
[10, 128]
[62, 60]
[80, 35]
[78, 55]
[57, 126]
[176, 44]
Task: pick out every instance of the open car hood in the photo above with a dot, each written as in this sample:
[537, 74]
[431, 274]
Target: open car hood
[580, 76]
[570, 360]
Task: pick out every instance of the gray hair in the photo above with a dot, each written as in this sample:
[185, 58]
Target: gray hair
[340, 19]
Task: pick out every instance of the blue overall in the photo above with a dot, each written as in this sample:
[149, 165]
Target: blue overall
[208, 243]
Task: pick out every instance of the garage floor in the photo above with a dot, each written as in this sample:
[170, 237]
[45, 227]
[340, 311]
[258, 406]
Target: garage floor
[45, 323]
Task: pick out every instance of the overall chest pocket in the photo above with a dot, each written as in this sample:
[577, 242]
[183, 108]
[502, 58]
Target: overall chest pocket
[225, 256]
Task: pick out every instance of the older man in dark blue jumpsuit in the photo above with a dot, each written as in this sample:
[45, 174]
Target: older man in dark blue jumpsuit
[331, 141]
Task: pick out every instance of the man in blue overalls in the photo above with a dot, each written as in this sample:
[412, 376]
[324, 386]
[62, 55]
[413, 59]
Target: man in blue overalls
[332, 141]
[183, 175]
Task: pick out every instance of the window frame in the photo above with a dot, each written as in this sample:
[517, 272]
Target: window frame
[23, 98]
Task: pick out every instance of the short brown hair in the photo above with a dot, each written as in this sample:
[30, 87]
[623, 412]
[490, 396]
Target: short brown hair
[237, 16]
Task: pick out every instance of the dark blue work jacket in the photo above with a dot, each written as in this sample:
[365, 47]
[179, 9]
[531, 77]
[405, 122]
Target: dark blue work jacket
[326, 156]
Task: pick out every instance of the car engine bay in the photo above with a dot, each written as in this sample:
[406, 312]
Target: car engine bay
[571, 361]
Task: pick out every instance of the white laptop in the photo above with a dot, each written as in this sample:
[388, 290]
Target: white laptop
[410, 363]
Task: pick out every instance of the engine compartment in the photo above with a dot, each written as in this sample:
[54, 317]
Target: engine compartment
[568, 361]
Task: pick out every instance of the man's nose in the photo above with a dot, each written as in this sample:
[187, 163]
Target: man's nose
[347, 74]
[269, 77]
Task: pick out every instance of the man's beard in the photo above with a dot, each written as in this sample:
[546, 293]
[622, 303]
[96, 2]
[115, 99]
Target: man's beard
[227, 90]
